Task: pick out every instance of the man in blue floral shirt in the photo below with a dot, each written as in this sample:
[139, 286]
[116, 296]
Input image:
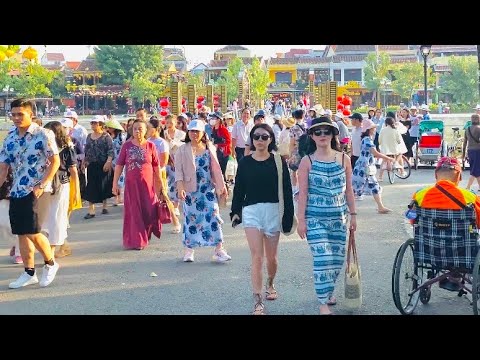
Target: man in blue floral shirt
[32, 153]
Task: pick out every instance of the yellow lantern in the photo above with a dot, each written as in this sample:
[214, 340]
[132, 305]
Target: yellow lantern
[2, 56]
[30, 53]
[9, 53]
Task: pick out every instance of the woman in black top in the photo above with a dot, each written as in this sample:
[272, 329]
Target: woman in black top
[255, 204]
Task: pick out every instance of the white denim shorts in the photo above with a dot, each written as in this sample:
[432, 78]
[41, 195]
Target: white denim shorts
[262, 216]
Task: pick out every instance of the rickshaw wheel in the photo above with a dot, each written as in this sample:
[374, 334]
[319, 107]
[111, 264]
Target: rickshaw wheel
[405, 279]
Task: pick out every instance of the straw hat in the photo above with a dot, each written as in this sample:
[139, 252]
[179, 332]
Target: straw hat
[114, 124]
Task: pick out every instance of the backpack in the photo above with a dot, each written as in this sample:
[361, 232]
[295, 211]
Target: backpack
[303, 142]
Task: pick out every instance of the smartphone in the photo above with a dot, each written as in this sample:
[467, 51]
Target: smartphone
[235, 223]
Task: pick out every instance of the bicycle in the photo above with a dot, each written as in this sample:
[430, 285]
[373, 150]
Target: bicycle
[394, 170]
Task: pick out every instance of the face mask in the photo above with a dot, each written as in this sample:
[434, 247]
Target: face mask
[213, 122]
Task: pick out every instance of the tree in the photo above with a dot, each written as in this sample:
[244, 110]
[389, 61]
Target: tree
[57, 87]
[478, 59]
[144, 86]
[409, 78]
[120, 63]
[376, 70]
[230, 78]
[462, 81]
[259, 81]
[33, 80]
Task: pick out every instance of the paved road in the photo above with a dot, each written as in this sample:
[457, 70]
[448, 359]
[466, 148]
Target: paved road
[102, 278]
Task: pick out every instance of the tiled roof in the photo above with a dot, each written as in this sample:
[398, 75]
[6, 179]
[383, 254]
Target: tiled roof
[232, 48]
[403, 59]
[53, 67]
[316, 60]
[89, 63]
[218, 63]
[453, 48]
[249, 60]
[392, 47]
[73, 65]
[362, 48]
[55, 57]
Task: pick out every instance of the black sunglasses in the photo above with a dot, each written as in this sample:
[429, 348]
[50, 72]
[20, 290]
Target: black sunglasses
[264, 137]
[320, 132]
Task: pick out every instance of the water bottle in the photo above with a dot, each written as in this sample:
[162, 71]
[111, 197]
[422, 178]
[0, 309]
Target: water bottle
[411, 214]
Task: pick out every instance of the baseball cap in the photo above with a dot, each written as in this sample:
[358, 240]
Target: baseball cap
[182, 115]
[260, 113]
[357, 116]
[367, 124]
[448, 163]
[70, 114]
[98, 118]
[68, 123]
[216, 114]
[198, 125]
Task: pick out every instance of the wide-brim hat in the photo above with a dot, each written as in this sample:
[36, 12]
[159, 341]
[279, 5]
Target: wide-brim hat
[368, 124]
[98, 118]
[114, 124]
[67, 122]
[289, 122]
[323, 121]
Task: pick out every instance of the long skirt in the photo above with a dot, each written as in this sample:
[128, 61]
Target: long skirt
[53, 214]
[99, 183]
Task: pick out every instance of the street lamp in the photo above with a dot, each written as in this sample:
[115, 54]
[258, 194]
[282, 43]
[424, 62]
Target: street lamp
[425, 51]
[7, 89]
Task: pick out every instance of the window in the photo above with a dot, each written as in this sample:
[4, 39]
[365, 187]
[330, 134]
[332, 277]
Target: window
[337, 75]
[352, 75]
[283, 77]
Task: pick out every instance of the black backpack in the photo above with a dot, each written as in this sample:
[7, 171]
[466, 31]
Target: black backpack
[303, 142]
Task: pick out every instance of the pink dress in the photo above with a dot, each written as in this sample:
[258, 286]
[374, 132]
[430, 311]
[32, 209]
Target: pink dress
[140, 217]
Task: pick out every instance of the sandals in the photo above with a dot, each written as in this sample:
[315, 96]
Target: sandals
[272, 293]
[332, 301]
[177, 229]
[259, 307]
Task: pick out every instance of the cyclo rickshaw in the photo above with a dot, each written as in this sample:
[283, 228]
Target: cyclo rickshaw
[431, 145]
[444, 250]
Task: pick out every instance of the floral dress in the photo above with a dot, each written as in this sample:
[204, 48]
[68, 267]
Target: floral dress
[363, 183]
[202, 222]
[172, 188]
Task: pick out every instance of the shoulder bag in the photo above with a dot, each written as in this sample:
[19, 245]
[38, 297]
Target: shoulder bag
[353, 280]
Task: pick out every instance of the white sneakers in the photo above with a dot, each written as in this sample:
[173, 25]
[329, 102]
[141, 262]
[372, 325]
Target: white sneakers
[221, 256]
[218, 256]
[48, 274]
[23, 280]
[188, 257]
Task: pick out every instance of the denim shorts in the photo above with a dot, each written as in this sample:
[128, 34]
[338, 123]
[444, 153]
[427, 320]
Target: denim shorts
[262, 216]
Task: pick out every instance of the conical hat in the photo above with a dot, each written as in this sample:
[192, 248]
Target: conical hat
[114, 124]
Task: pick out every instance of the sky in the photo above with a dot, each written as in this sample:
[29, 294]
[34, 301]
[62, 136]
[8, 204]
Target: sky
[195, 53]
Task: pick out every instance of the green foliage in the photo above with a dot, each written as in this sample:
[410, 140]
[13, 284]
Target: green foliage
[33, 81]
[230, 78]
[462, 82]
[376, 71]
[120, 63]
[57, 87]
[409, 78]
[144, 86]
[259, 81]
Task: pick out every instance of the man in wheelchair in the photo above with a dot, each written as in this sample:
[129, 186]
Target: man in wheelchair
[445, 194]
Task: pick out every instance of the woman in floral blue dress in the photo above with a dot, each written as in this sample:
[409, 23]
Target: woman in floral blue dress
[363, 182]
[200, 183]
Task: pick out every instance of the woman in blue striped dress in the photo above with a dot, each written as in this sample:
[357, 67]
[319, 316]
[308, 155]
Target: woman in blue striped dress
[325, 185]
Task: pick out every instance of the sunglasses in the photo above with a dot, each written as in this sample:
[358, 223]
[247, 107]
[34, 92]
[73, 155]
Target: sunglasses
[320, 132]
[264, 137]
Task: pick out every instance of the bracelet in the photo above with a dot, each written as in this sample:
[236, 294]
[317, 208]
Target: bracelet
[354, 213]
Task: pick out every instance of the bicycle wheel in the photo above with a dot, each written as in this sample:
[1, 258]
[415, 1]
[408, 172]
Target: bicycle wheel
[407, 169]
[391, 176]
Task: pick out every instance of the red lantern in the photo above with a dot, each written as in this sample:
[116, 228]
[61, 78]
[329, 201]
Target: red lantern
[347, 107]
[200, 99]
[346, 112]
[164, 113]
[347, 101]
[164, 103]
[199, 106]
[339, 98]
[340, 106]
[216, 97]
[183, 101]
